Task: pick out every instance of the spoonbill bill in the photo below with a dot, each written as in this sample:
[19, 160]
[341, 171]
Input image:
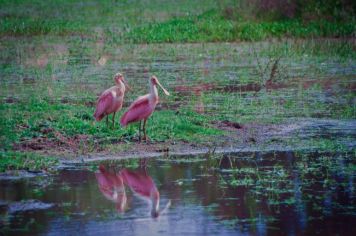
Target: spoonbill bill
[110, 101]
[143, 107]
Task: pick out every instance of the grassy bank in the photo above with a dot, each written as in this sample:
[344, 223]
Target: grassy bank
[57, 56]
[48, 96]
[44, 125]
[10, 160]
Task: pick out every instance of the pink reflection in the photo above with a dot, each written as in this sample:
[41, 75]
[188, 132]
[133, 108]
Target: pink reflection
[111, 185]
[143, 186]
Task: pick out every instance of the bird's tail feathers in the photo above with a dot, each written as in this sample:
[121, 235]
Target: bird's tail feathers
[98, 117]
[123, 120]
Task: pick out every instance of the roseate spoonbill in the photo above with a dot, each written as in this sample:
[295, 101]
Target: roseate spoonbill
[110, 101]
[143, 107]
[143, 186]
[111, 185]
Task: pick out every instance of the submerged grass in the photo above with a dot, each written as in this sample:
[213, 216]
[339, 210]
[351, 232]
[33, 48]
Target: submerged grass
[288, 181]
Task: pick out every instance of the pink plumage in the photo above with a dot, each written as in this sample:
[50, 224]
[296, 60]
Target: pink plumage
[140, 109]
[140, 183]
[103, 106]
[111, 100]
[143, 106]
[111, 185]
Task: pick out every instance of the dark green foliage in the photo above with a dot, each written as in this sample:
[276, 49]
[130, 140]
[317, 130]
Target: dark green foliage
[212, 27]
[32, 26]
[226, 21]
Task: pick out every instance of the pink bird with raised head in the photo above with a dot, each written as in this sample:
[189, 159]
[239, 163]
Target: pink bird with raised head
[143, 107]
[111, 100]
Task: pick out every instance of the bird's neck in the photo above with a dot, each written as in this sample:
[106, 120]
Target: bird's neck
[154, 92]
[120, 84]
[154, 201]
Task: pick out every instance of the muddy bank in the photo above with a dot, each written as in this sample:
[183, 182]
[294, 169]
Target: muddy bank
[20, 174]
[240, 138]
[295, 134]
[28, 205]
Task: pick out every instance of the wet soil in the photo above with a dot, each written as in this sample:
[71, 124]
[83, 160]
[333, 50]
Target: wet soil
[293, 135]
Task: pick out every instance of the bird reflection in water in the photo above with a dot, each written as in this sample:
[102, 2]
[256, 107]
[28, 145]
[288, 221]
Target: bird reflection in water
[111, 185]
[141, 184]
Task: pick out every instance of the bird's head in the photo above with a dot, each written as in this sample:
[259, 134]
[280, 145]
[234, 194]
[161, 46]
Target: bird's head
[154, 81]
[120, 78]
[154, 195]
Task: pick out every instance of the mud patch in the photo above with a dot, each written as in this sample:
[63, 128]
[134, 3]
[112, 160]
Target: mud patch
[11, 99]
[20, 174]
[28, 205]
[292, 135]
[228, 125]
[264, 135]
[327, 84]
[59, 143]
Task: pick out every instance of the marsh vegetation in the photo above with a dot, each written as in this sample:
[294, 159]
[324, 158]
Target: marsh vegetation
[262, 103]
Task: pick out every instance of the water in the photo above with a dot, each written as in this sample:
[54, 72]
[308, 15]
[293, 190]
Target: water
[281, 193]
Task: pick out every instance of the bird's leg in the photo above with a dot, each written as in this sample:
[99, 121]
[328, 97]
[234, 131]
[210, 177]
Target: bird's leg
[144, 130]
[139, 132]
[143, 165]
[113, 120]
[107, 120]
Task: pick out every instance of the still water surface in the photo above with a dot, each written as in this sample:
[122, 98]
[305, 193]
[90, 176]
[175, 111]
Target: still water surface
[282, 193]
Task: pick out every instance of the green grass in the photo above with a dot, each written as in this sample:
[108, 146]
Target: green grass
[55, 122]
[60, 110]
[212, 27]
[276, 106]
[39, 118]
[206, 27]
[156, 22]
[32, 27]
[50, 73]
[10, 160]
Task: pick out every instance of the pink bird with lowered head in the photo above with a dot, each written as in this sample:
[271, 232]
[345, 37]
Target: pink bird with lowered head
[142, 185]
[110, 101]
[143, 107]
[111, 185]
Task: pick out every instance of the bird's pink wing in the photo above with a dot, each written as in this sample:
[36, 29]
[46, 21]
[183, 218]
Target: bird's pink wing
[139, 183]
[105, 186]
[104, 102]
[102, 178]
[138, 110]
[108, 182]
